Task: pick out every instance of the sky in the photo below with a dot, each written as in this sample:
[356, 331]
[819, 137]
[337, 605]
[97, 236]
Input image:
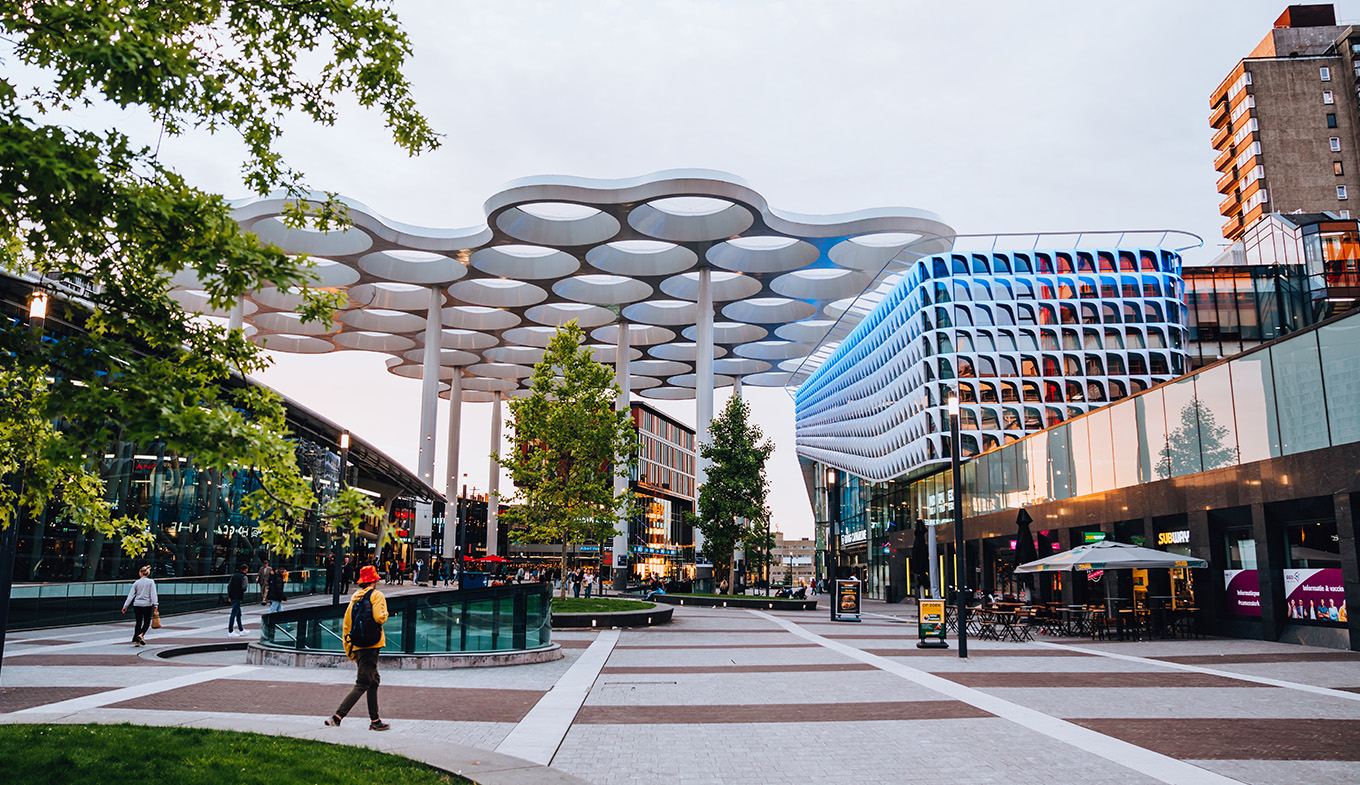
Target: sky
[997, 116]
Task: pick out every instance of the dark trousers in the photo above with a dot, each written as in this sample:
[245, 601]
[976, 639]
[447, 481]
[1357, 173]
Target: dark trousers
[235, 616]
[143, 613]
[367, 682]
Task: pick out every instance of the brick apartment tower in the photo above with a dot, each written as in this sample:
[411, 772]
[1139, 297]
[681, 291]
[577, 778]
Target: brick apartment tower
[1286, 121]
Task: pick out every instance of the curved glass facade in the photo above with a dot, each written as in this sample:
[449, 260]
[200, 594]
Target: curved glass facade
[1029, 339]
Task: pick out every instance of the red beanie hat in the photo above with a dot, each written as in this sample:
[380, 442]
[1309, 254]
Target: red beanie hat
[369, 574]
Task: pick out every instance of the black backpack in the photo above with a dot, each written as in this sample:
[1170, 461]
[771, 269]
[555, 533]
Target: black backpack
[364, 630]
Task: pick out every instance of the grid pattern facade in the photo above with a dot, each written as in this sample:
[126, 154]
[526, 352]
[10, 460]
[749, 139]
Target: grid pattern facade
[1028, 338]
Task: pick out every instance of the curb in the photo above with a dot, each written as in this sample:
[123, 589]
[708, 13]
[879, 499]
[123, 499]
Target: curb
[642, 618]
[259, 654]
[737, 601]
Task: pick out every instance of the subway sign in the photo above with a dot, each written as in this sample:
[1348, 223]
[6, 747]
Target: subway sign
[1173, 538]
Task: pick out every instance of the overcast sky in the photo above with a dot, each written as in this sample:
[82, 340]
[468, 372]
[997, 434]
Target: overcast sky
[998, 116]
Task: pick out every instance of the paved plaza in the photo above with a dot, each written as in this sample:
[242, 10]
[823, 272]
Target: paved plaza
[739, 696]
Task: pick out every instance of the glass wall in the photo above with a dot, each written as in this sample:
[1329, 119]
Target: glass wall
[195, 516]
[1232, 309]
[1302, 393]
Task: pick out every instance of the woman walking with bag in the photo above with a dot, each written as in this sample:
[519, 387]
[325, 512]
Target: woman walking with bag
[145, 604]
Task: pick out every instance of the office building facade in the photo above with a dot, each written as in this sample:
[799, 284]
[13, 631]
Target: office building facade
[1285, 123]
[1028, 339]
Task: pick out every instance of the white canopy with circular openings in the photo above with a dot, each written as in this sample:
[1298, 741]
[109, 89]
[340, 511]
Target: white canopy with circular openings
[603, 252]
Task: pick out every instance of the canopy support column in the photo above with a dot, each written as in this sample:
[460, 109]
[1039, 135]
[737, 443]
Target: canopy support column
[451, 521]
[493, 494]
[429, 391]
[622, 359]
[703, 387]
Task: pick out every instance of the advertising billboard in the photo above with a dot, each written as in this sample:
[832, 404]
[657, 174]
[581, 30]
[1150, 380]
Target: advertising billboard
[1310, 595]
[1243, 593]
[847, 600]
[1315, 595]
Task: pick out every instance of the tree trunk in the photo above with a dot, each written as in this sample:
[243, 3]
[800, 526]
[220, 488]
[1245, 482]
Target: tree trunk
[562, 572]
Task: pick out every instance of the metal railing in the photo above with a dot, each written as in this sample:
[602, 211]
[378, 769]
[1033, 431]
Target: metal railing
[502, 618]
[39, 605]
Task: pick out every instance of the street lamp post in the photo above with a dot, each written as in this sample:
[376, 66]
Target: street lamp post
[959, 560]
[832, 566]
[9, 537]
[462, 532]
[335, 530]
[933, 553]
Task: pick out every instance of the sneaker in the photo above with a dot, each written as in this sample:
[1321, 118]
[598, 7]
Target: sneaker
[333, 721]
[378, 725]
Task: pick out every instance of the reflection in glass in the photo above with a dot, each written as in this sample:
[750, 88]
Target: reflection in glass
[1313, 546]
[1298, 395]
[1258, 434]
[1181, 455]
[1059, 464]
[1080, 447]
[1125, 443]
[1214, 403]
[1341, 373]
[1102, 451]
[1151, 434]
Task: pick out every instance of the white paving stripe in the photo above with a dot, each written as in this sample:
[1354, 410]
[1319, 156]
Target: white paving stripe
[537, 736]
[138, 691]
[1144, 761]
[123, 640]
[1180, 666]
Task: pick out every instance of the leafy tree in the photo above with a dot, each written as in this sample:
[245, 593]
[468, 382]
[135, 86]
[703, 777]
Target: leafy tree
[569, 442]
[95, 213]
[732, 500]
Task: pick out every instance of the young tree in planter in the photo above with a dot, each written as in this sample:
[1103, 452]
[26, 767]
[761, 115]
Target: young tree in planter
[732, 501]
[569, 442]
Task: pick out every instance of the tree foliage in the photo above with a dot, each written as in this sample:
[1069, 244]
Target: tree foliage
[569, 443]
[732, 500]
[107, 219]
[1199, 443]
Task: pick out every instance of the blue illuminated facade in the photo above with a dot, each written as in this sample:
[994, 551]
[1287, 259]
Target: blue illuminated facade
[1029, 339]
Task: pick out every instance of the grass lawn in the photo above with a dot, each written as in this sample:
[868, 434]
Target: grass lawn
[771, 598]
[597, 605]
[128, 754]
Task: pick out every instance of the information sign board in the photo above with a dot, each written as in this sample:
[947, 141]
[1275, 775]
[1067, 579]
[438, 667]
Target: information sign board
[930, 625]
[847, 600]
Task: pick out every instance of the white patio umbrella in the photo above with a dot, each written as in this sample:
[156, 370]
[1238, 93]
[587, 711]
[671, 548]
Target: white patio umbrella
[1110, 555]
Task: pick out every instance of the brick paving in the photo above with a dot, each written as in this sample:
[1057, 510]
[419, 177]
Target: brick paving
[728, 696]
[419, 703]
[1069, 680]
[1297, 738]
[16, 698]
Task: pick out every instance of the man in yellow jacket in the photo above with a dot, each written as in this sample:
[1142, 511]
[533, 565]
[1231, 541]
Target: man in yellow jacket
[365, 655]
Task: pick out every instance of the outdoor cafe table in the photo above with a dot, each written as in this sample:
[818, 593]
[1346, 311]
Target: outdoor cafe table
[1008, 625]
[1074, 620]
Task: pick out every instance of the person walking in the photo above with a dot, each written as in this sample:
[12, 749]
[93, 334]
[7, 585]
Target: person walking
[276, 595]
[264, 581]
[364, 639]
[236, 592]
[144, 602]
